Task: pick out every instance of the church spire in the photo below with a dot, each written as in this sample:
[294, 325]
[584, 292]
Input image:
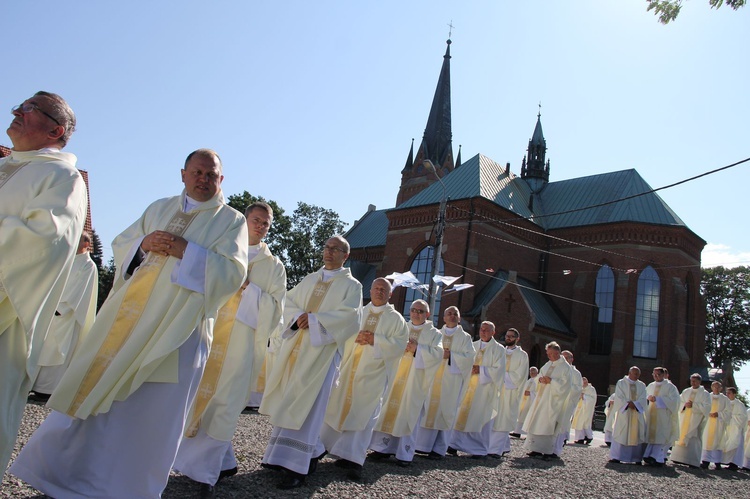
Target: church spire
[535, 169]
[409, 159]
[436, 144]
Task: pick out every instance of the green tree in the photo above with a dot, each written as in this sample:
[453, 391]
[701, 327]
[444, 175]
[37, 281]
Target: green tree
[297, 240]
[668, 10]
[97, 252]
[727, 295]
[106, 279]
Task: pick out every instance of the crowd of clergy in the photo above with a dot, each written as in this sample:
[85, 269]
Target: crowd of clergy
[199, 324]
[650, 424]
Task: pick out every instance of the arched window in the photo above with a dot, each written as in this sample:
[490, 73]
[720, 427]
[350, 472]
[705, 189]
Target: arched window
[600, 342]
[647, 315]
[421, 267]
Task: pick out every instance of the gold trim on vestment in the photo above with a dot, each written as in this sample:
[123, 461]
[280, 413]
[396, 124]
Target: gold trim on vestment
[687, 414]
[371, 324]
[653, 417]
[713, 424]
[633, 423]
[9, 169]
[463, 412]
[313, 304]
[133, 303]
[399, 386]
[215, 364]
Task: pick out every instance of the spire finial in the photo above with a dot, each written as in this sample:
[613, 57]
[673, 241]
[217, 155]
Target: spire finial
[450, 30]
[539, 114]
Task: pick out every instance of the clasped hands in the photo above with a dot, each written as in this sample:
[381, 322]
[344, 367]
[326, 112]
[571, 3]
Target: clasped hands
[165, 244]
[365, 338]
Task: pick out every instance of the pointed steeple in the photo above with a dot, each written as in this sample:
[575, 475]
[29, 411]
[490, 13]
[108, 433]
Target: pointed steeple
[436, 144]
[535, 168]
[409, 159]
[458, 158]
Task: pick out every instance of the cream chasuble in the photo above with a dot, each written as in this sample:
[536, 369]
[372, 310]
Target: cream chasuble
[479, 403]
[300, 367]
[511, 389]
[526, 401]
[450, 382]
[661, 416]
[629, 427]
[693, 418]
[545, 413]
[365, 369]
[735, 428]
[584, 412]
[148, 316]
[404, 401]
[77, 310]
[713, 432]
[42, 211]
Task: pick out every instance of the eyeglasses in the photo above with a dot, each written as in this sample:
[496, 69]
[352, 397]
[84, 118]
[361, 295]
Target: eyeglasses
[27, 107]
[417, 310]
[332, 249]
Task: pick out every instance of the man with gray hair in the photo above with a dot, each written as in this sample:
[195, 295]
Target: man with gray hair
[629, 430]
[42, 212]
[544, 421]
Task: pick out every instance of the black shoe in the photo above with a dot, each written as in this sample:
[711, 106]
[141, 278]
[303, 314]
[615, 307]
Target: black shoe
[452, 451]
[733, 467]
[718, 466]
[343, 463]
[377, 456]
[494, 456]
[227, 473]
[704, 465]
[587, 440]
[274, 467]
[515, 435]
[207, 491]
[608, 444]
[649, 460]
[292, 480]
[478, 457]
[434, 456]
[580, 442]
[403, 464]
[39, 397]
[250, 409]
[534, 454]
[549, 457]
[614, 461]
[421, 452]
[355, 472]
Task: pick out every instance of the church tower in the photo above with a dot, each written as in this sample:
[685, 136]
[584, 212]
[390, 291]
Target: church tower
[436, 143]
[533, 167]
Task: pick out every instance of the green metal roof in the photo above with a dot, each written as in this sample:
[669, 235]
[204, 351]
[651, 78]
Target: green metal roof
[545, 313]
[370, 230]
[581, 192]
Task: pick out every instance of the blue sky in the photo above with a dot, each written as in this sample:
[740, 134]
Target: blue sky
[319, 101]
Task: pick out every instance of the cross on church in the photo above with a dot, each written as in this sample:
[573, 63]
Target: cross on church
[510, 301]
[450, 31]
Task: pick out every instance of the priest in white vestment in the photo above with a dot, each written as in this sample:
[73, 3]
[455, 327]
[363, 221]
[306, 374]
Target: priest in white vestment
[695, 404]
[448, 387]
[320, 314]
[733, 446]
[511, 394]
[176, 266]
[662, 420]
[42, 211]
[527, 398]
[545, 419]
[368, 369]
[397, 424]
[584, 414]
[73, 319]
[629, 428]
[576, 387]
[716, 424]
[746, 463]
[240, 338]
[474, 422]
[609, 419]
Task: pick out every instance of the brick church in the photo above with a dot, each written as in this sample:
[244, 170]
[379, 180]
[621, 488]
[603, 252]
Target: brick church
[599, 264]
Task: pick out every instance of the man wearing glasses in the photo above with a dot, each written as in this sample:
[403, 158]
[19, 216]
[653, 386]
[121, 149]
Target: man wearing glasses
[320, 314]
[397, 425]
[42, 211]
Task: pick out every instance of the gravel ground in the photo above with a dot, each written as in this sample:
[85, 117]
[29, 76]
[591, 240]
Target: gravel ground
[582, 472]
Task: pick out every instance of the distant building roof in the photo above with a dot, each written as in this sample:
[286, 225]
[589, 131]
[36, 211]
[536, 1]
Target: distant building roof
[370, 230]
[545, 313]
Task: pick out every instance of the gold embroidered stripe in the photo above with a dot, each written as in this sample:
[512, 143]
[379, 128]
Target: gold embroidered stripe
[633, 423]
[653, 416]
[371, 324]
[133, 303]
[437, 388]
[687, 415]
[260, 386]
[713, 423]
[463, 412]
[399, 385]
[9, 169]
[215, 364]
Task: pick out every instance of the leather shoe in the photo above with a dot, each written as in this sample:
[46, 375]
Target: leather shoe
[207, 491]
[494, 456]
[343, 463]
[704, 465]
[227, 473]
[434, 456]
[614, 461]
[515, 435]
[274, 467]
[580, 442]
[403, 464]
[377, 456]
[452, 451]
[291, 481]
